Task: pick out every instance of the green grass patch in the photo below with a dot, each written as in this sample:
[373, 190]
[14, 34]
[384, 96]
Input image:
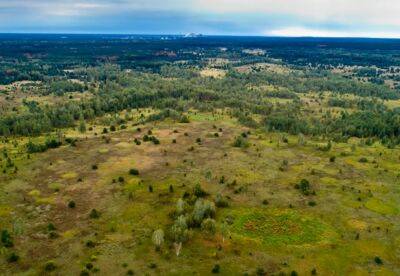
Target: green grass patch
[380, 207]
[279, 227]
[55, 186]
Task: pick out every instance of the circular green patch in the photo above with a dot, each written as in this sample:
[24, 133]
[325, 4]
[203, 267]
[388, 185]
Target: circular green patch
[279, 227]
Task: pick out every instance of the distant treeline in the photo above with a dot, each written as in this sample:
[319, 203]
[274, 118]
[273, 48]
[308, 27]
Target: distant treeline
[122, 90]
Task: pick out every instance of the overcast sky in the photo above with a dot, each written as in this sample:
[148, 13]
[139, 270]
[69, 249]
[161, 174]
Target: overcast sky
[360, 18]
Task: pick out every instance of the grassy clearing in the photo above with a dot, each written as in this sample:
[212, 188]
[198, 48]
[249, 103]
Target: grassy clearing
[279, 227]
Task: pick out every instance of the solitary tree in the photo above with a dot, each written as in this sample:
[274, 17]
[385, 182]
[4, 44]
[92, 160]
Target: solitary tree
[82, 125]
[225, 232]
[158, 238]
[302, 140]
[209, 226]
[180, 233]
[180, 206]
[203, 209]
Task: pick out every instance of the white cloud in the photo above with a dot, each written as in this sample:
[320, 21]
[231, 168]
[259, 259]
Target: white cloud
[63, 8]
[382, 12]
[283, 17]
[374, 12]
[311, 32]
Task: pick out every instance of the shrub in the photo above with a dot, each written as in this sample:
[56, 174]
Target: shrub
[13, 258]
[112, 128]
[155, 140]
[301, 140]
[179, 233]
[199, 192]
[84, 273]
[134, 172]
[51, 227]
[216, 269]
[49, 144]
[327, 147]
[50, 266]
[53, 235]
[260, 272]
[304, 186]
[312, 203]
[94, 214]
[90, 244]
[202, 209]
[240, 142]
[363, 160]
[158, 238]
[220, 201]
[6, 239]
[209, 226]
[284, 166]
[184, 119]
[378, 260]
[180, 206]
[94, 167]
[153, 265]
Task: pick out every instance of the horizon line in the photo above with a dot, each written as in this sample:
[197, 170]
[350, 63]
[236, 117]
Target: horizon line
[199, 35]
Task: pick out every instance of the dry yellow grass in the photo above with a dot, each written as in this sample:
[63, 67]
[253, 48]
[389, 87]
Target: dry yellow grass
[212, 73]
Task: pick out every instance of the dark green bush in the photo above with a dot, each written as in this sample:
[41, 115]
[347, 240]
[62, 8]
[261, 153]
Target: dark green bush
[216, 269]
[94, 214]
[199, 192]
[378, 260]
[6, 239]
[240, 142]
[50, 266]
[13, 258]
[134, 172]
[71, 204]
[363, 160]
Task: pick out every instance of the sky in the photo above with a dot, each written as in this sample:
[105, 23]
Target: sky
[322, 18]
